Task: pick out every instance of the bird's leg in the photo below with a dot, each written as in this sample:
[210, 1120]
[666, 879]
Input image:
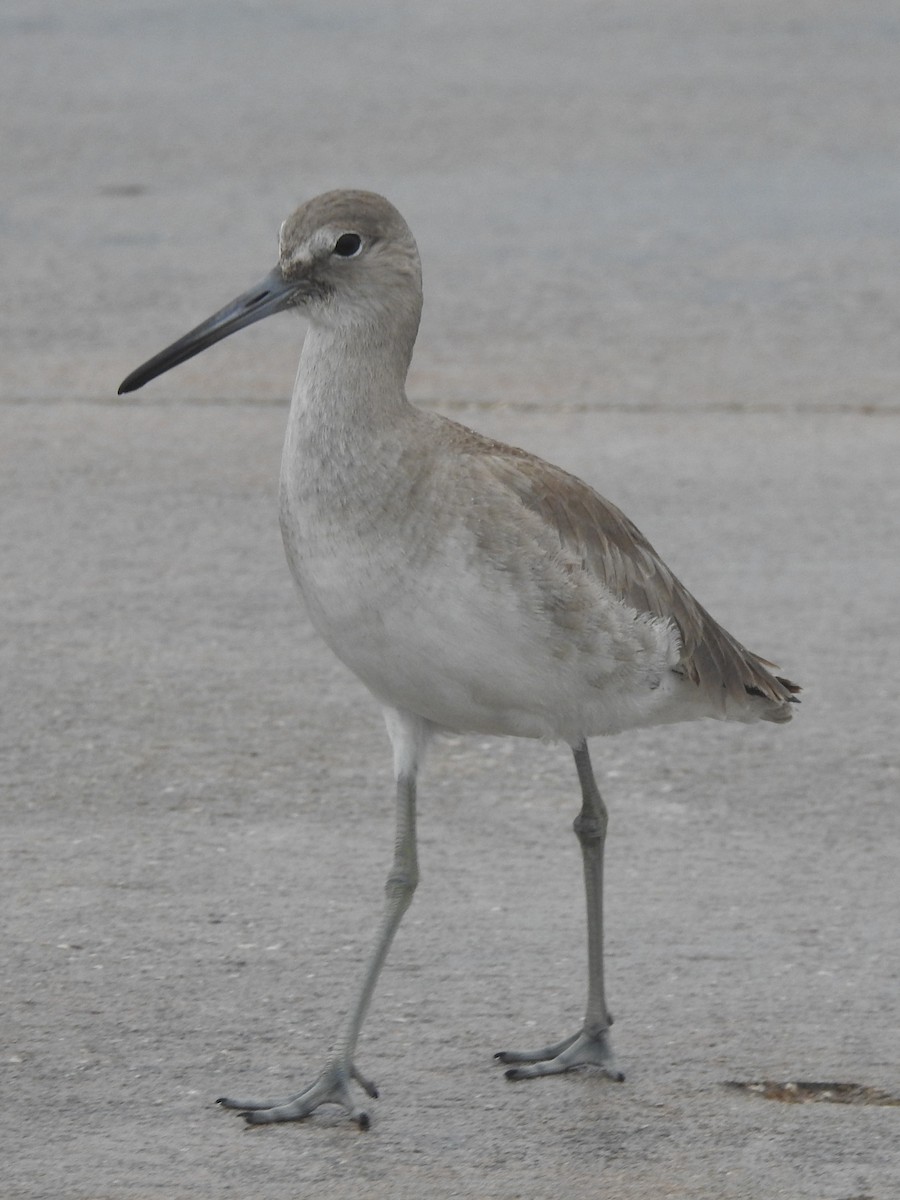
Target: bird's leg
[590, 1045]
[333, 1084]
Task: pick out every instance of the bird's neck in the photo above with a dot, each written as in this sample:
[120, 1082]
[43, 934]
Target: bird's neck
[354, 375]
[349, 407]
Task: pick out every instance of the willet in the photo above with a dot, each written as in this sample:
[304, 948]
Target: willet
[470, 586]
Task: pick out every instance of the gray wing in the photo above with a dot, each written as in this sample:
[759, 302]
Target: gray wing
[616, 552]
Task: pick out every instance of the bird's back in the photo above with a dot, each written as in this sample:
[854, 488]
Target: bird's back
[731, 679]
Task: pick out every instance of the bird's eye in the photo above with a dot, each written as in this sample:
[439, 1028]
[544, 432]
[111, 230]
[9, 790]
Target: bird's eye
[348, 244]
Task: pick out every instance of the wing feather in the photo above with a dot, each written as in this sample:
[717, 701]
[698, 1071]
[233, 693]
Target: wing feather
[617, 553]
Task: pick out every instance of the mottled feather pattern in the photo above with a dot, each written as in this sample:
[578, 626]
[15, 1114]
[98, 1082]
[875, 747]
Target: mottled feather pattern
[616, 552]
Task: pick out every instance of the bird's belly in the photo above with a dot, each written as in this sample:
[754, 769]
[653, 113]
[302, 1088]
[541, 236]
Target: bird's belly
[456, 644]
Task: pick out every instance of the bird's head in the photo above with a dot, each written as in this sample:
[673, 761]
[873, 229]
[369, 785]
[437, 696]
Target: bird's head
[346, 258]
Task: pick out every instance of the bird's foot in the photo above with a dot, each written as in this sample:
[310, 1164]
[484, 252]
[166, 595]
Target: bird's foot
[582, 1049]
[332, 1087]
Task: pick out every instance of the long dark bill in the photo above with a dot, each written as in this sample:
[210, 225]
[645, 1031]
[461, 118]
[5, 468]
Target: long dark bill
[271, 295]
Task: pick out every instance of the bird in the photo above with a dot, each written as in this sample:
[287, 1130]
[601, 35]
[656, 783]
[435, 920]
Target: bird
[471, 586]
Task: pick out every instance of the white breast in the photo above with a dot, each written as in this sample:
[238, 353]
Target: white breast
[430, 611]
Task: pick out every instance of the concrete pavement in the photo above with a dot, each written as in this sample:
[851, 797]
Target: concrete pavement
[660, 247]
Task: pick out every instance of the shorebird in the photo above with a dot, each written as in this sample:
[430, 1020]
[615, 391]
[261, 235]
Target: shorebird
[471, 586]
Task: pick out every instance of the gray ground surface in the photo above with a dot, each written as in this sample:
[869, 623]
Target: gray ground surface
[661, 246]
